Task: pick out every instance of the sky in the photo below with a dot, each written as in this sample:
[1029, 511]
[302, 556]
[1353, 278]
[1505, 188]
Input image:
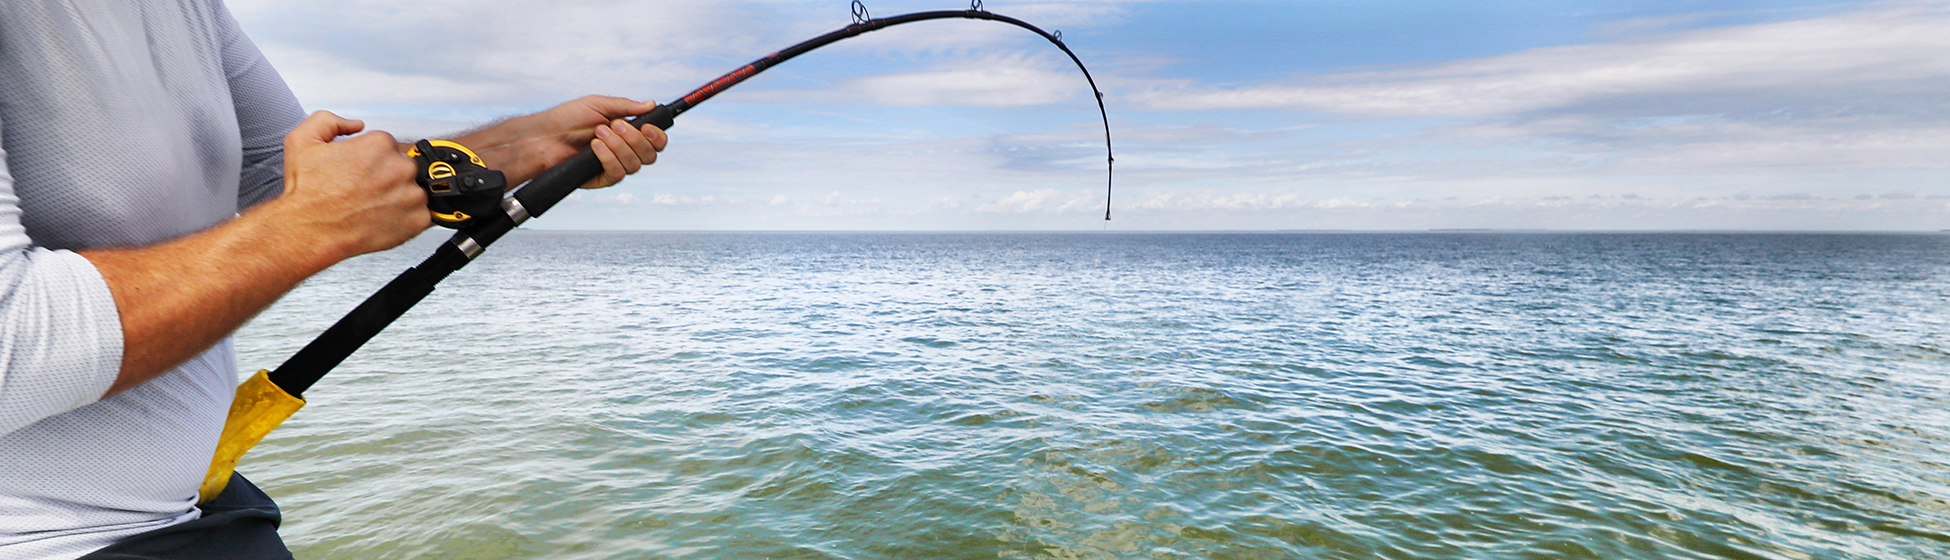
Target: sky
[1225, 115]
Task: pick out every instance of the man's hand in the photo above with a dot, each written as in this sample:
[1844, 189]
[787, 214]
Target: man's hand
[523, 147]
[341, 199]
[359, 192]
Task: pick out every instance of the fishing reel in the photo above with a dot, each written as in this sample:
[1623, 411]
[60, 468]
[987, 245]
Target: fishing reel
[459, 186]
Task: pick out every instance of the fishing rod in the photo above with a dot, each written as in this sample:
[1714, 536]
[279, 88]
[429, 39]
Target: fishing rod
[466, 195]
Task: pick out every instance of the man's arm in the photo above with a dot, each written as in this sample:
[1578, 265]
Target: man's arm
[523, 147]
[341, 199]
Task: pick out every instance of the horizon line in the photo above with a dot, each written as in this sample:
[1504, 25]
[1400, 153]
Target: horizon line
[1267, 231]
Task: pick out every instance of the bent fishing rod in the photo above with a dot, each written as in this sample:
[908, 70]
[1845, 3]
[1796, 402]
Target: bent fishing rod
[466, 195]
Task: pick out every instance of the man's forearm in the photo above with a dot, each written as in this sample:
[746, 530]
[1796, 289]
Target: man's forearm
[341, 198]
[181, 297]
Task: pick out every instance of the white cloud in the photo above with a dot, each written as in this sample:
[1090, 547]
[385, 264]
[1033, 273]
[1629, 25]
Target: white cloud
[1862, 55]
[997, 81]
[1020, 201]
[1857, 92]
[1242, 209]
[1832, 108]
[667, 199]
[1043, 201]
[966, 36]
[324, 80]
[1590, 144]
[1280, 199]
[500, 52]
[539, 52]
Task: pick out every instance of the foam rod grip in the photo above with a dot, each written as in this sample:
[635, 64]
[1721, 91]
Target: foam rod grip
[555, 184]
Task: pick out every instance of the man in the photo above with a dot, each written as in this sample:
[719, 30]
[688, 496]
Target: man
[151, 202]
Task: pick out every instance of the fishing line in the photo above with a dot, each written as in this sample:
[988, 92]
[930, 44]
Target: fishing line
[863, 23]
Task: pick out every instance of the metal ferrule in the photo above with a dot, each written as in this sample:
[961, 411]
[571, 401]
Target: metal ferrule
[514, 209]
[467, 246]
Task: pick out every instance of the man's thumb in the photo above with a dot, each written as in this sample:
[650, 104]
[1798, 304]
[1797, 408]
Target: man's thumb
[321, 127]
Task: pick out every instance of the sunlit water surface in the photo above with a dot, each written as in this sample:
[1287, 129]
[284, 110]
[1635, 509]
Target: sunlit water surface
[1439, 396]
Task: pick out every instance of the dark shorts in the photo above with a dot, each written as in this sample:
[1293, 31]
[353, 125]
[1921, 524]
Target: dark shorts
[242, 524]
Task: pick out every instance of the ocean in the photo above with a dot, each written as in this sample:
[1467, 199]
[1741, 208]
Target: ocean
[583, 395]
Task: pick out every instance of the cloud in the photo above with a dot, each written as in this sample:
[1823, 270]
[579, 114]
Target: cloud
[539, 52]
[1711, 144]
[1212, 201]
[1016, 80]
[960, 37]
[1846, 93]
[1043, 201]
[1245, 209]
[667, 199]
[497, 52]
[1880, 54]
[1680, 113]
[323, 79]
[1020, 201]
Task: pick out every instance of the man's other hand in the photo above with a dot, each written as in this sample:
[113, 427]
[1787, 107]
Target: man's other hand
[523, 147]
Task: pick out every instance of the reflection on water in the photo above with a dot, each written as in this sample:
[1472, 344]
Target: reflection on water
[581, 395]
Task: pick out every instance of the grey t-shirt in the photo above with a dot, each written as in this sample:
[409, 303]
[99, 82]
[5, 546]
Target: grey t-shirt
[123, 123]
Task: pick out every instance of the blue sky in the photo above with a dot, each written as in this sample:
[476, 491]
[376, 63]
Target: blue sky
[1297, 115]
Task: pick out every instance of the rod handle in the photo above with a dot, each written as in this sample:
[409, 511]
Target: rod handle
[555, 184]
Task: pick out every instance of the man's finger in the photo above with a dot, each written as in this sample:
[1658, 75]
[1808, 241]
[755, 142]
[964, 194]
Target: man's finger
[323, 126]
[378, 136]
[636, 141]
[658, 139]
[619, 146]
[613, 107]
[612, 169]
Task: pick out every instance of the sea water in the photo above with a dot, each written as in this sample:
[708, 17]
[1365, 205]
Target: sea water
[1398, 396]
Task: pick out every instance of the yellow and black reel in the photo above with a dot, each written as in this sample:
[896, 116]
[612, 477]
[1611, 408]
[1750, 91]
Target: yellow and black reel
[459, 186]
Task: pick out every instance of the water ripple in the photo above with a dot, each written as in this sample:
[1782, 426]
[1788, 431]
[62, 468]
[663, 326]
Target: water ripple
[852, 396]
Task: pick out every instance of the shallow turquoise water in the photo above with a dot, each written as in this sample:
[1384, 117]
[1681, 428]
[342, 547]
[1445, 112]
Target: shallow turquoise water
[667, 395]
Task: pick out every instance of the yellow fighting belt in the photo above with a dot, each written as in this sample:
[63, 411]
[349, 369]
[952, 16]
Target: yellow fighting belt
[258, 408]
